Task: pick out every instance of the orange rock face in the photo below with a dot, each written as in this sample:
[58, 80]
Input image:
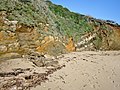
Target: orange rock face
[70, 46]
[114, 41]
[48, 41]
[1, 36]
[43, 48]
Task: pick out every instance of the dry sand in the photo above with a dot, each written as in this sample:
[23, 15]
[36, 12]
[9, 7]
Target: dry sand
[87, 70]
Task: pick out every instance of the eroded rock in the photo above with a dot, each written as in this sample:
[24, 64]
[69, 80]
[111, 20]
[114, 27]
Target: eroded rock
[3, 48]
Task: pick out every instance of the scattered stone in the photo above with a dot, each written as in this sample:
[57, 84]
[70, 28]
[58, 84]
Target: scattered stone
[85, 60]
[38, 63]
[13, 47]
[3, 49]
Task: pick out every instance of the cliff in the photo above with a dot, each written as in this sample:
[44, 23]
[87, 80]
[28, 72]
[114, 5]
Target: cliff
[41, 26]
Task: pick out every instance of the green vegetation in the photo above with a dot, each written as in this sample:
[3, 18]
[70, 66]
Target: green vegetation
[70, 23]
[24, 12]
[97, 42]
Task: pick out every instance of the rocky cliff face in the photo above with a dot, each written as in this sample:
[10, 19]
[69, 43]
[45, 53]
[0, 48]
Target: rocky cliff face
[39, 25]
[21, 39]
[101, 39]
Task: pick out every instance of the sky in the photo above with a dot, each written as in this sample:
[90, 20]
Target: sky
[100, 9]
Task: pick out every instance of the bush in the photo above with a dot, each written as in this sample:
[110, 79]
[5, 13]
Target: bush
[25, 1]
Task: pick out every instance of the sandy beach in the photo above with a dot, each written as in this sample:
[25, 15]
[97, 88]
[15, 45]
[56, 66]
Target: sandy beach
[87, 70]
